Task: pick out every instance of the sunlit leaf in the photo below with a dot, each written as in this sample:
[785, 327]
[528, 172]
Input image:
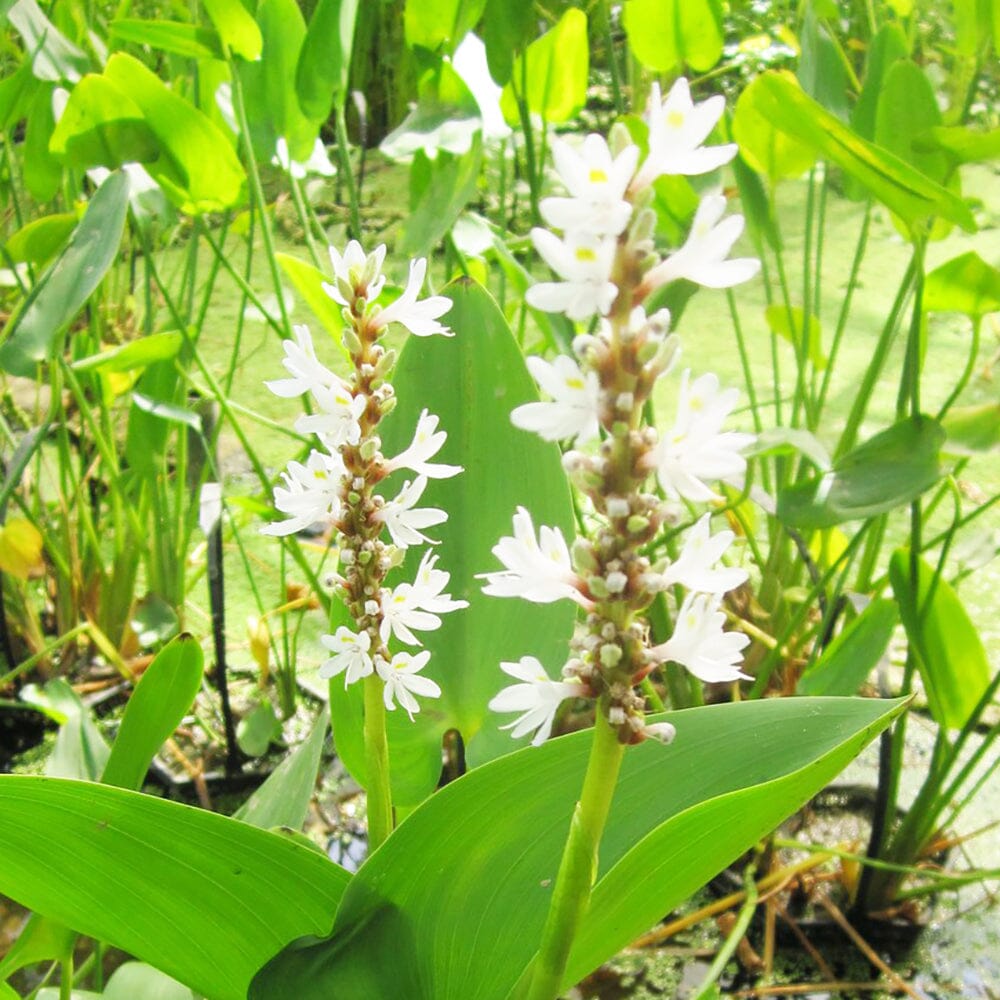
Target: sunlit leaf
[789, 327]
[179, 37]
[507, 29]
[136, 354]
[665, 35]
[950, 654]
[236, 27]
[460, 869]
[965, 284]
[42, 171]
[325, 59]
[763, 146]
[41, 239]
[961, 142]
[440, 24]
[888, 45]
[21, 545]
[54, 56]
[972, 429]
[821, 69]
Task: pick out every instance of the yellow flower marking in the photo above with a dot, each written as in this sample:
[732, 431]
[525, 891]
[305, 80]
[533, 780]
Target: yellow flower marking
[598, 176]
[675, 119]
[585, 254]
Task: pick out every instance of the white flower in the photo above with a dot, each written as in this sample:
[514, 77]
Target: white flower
[695, 568]
[537, 697]
[308, 373]
[355, 273]
[597, 184]
[702, 259]
[584, 261]
[311, 493]
[677, 129]
[420, 318]
[417, 605]
[404, 523]
[209, 507]
[351, 655]
[697, 449]
[318, 162]
[700, 645]
[337, 421]
[427, 442]
[402, 681]
[573, 411]
[538, 571]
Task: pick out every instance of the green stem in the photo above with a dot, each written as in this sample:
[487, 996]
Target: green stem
[377, 762]
[578, 867]
[347, 173]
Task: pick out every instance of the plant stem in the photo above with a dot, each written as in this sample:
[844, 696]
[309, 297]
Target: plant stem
[578, 867]
[346, 172]
[377, 763]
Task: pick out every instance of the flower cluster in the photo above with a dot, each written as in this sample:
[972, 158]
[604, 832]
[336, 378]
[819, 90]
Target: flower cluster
[607, 267]
[336, 486]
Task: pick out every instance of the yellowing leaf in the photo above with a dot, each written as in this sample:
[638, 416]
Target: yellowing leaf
[21, 549]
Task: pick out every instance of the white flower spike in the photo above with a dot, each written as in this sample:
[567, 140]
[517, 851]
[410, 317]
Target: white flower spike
[697, 450]
[539, 571]
[703, 258]
[700, 644]
[538, 697]
[427, 442]
[573, 411]
[356, 272]
[597, 185]
[337, 422]
[420, 318]
[351, 655]
[403, 521]
[584, 261]
[402, 681]
[308, 373]
[696, 567]
[678, 129]
[312, 493]
[417, 605]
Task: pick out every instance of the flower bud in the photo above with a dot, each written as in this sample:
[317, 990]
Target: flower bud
[370, 448]
[583, 556]
[616, 507]
[386, 363]
[597, 587]
[387, 405]
[637, 524]
[619, 138]
[345, 288]
[350, 340]
[662, 731]
[616, 582]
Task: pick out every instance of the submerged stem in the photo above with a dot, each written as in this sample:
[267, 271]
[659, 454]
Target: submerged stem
[578, 867]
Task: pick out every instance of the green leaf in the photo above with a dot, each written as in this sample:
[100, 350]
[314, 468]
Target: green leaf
[551, 74]
[167, 411]
[34, 333]
[965, 284]
[821, 69]
[102, 126]
[851, 657]
[789, 327]
[189, 142]
[439, 25]
[40, 940]
[40, 240]
[325, 59]
[308, 282]
[203, 897]
[665, 35]
[42, 171]
[451, 186]
[53, 56]
[258, 729]
[236, 27]
[961, 143]
[178, 37]
[136, 979]
[950, 655]
[889, 470]
[471, 381]
[900, 187]
[507, 28]
[762, 145]
[16, 93]
[161, 698]
[283, 799]
[134, 355]
[888, 45]
[788, 440]
[475, 863]
[972, 429]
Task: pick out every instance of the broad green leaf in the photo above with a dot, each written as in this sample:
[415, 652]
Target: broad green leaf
[178, 37]
[42, 171]
[325, 59]
[161, 698]
[283, 799]
[950, 654]
[134, 355]
[16, 93]
[961, 143]
[308, 282]
[236, 27]
[887, 471]
[34, 333]
[167, 411]
[459, 893]
[789, 327]
[821, 69]
[439, 25]
[762, 145]
[40, 940]
[258, 729]
[551, 74]
[788, 440]
[272, 104]
[665, 35]
[53, 56]
[972, 429]
[451, 186]
[965, 284]
[203, 897]
[888, 45]
[757, 207]
[851, 657]
[900, 187]
[507, 29]
[41, 239]
[189, 142]
[136, 979]
[471, 381]
[102, 126]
